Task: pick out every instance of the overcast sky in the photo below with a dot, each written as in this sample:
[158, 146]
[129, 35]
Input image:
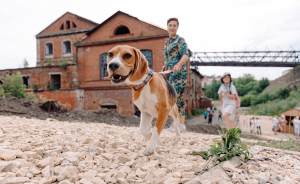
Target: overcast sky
[211, 25]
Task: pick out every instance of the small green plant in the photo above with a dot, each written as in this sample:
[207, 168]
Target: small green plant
[31, 96]
[63, 63]
[229, 147]
[48, 61]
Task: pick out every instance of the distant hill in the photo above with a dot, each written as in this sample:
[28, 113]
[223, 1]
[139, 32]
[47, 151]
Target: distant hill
[290, 79]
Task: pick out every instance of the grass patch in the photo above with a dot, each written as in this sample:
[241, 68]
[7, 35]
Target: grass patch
[197, 112]
[290, 144]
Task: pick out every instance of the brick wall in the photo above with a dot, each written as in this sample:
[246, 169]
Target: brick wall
[89, 57]
[39, 77]
[70, 99]
[94, 99]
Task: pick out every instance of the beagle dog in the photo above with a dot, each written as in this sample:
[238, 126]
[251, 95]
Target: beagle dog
[151, 92]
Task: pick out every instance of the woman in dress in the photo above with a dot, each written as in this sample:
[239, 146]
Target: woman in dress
[176, 56]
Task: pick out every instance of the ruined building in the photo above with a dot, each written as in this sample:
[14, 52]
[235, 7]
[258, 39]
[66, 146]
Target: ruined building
[71, 62]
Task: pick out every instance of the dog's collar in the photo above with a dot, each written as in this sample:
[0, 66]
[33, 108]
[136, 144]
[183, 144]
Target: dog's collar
[146, 80]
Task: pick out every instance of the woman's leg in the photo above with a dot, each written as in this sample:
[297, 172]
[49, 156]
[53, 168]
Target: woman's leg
[181, 104]
[228, 121]
[178, 81]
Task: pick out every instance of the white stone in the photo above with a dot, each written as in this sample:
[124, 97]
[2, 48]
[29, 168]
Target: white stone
[214, 175]
[72, 157]
[14, 180]
[49, 161]
[47, 180]
[140, 173]
[47, 172]
[107, 156]
[232, 164]
[8, 154]
[65, 182]
[123, 159]
[68, 172]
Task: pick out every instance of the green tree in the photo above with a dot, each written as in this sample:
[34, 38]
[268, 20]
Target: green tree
[246, 100]
[211, 90]
[262, 84]
[245, 84]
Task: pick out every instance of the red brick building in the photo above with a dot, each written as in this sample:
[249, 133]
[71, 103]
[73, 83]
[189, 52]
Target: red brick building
[71, 61]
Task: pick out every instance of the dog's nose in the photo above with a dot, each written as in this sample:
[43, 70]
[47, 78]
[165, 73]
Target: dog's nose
[113, 66]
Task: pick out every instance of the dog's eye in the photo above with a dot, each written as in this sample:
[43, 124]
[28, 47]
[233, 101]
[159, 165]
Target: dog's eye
[126, 56]
[110, 54]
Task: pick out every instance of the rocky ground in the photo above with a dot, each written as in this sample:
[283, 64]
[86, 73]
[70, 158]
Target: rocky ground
[32, 109]
[51, 151]
[11, 106]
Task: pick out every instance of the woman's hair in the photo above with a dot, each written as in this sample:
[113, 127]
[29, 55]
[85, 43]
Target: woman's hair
[173, 19]
[222, 81]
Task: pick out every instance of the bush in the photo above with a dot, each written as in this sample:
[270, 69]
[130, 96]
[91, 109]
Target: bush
[262, 98]
[282, 93]
[211, 91]
[246, 100]
[196, 112]
[13, 86]
[31, 97]
[253, 100]
[262, 84]
[278, 106]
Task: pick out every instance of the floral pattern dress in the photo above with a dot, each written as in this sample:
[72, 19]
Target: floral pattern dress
[174, 49]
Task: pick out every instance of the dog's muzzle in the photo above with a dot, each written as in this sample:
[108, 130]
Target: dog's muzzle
[119, 78]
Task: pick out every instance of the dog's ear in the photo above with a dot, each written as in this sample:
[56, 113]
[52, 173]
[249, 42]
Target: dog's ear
[140, 65]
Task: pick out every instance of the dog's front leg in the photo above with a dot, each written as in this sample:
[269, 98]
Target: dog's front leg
[156, 130]
[145, 125]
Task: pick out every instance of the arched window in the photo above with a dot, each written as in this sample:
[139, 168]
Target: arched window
[121, 30]
[49, 49]
[148, 54]
[103, 65]
[67, 47]
[62, 27]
